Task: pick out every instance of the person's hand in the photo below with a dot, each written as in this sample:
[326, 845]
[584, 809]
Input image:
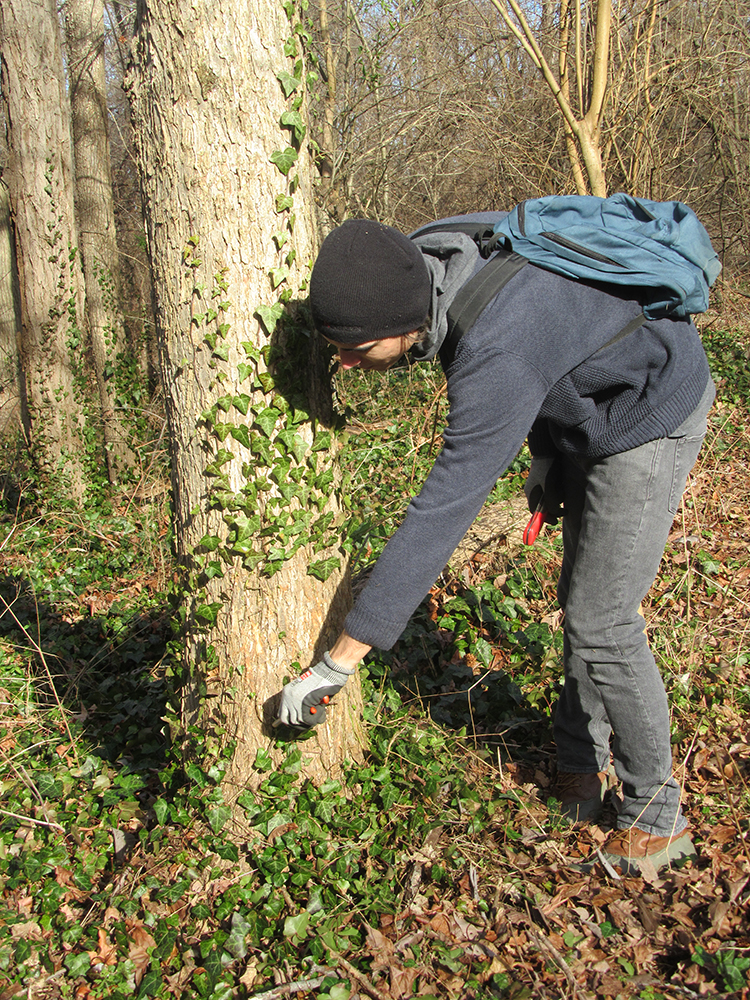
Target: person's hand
[304, 700]
[544, 484]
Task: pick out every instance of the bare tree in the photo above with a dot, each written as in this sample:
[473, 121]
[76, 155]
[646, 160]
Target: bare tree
[472, 110]
[229, 217]
[40, 184]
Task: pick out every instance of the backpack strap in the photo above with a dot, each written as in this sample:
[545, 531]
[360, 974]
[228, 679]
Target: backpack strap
[633, 325]
[474, 297]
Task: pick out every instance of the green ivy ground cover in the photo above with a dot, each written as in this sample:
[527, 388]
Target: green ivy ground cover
[434, 868]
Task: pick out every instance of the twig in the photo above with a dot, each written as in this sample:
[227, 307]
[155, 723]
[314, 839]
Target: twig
[730, 800]
[363, 981]
[547, 946]
[30, 819]
[300, 986]
[609, 869]
[147, 470]
[40, 653]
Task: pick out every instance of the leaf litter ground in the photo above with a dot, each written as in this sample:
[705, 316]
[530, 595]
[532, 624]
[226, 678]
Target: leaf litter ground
[437, 868]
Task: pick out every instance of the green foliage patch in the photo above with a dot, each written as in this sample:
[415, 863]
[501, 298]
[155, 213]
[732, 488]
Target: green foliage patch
[435, 863]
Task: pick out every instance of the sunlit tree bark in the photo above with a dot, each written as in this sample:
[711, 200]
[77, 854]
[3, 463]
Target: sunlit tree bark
[207, 105]
[40, 184]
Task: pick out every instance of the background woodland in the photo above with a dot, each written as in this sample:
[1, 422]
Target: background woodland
[190, 488]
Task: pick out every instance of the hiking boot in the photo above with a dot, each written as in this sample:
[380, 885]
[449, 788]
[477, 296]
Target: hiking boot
[580, 795]
[635, 852]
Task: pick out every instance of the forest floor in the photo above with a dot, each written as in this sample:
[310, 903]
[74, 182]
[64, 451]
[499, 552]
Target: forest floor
[438, 867]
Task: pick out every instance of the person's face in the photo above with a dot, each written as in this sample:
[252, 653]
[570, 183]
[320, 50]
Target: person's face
[374, 355]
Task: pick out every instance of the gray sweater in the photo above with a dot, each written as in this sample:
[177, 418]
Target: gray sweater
[528, 366]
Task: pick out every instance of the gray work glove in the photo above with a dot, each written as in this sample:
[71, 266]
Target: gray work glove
[304, 700]
[545, 481]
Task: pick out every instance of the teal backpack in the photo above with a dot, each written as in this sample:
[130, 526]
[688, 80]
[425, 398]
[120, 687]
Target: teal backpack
[659, 247]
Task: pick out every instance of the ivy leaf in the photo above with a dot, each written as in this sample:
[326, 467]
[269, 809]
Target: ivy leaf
[236, 944]
[293, 443]
[224, 403]
[290, 47]
[278, 276]
[261, 446]
[266, 420]
[244, 527]
[241, 434]
[209, 543]
[165, 936]
[193, 771]
[78, 965]
[213, 569]
[251, 560]
[244, 549]
[281, 470]
[283, 202]
[323, 480]
[222, 351]
[289, 491]
[217, 816]
[161, 810]
[288, 82]
[270, 316]
[296, 927]
[208, 613]
[293, 120]
[299, 447]
[263, 760]
[284, 159]
[244, 371]
[322, 441]
[267, 381]
[323, 568]
[242, 403]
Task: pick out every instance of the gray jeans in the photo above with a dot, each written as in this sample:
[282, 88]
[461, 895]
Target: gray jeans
[618, 514]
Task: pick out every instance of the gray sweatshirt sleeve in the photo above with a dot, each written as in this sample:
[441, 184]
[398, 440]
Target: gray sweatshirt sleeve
[493, 403]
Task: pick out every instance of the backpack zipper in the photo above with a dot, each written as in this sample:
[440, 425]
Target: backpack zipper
[577, 248]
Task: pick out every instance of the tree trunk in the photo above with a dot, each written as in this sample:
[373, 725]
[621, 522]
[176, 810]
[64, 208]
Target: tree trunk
[84, 28]
[223, 234]
[10, 322]
[40, 185]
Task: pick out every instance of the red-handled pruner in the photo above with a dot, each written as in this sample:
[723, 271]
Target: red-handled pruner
[534, 526]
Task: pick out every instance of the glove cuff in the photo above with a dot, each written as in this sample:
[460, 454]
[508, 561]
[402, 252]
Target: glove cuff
[332, 671]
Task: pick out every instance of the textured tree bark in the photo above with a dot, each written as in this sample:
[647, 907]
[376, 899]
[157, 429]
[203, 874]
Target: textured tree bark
[84, 30]
[10, 322]
[206, 104]
[40, 185]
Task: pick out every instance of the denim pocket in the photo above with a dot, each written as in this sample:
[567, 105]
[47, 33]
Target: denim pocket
[686, 448]
[688, 439]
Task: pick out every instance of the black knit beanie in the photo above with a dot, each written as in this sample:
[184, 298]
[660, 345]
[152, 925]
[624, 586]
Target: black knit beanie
[369, 282]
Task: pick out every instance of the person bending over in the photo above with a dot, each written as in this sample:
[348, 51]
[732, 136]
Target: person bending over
[613, 431]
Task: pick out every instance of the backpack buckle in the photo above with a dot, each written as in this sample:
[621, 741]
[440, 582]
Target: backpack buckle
[489, 242]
